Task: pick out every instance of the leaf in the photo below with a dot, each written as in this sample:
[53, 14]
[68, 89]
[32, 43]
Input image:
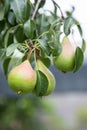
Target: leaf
[43, 45]
[42, 24]
[9, 34]
[6, 5]
[56, 45]
[2, 11]
[21, 10]
[19, 35]
[2, 24]
[29, 28]
[83, 45]
[11, 48]
[46, 61]
[5, 65]
[68, 22]
[6, 38]
[2, 54]
[79, 28]
[11, 18]
[16, 59]
[79, 58]
[42, 83]
[3, 32]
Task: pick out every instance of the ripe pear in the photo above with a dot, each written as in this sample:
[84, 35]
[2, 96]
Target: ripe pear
[49, 75]
[66, 60]
[22, 78]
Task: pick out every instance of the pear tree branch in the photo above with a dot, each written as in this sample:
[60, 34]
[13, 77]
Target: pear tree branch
[36, 9]
[59, 9]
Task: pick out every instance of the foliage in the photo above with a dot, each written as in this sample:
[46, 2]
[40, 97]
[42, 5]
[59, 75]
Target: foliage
[28, 113]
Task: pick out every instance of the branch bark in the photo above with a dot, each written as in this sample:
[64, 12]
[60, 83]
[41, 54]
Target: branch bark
[36, 9]
[59, 9]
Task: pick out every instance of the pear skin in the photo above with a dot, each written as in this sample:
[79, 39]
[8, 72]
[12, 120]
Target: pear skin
[49, 75]
[66, 60]
[22, 78]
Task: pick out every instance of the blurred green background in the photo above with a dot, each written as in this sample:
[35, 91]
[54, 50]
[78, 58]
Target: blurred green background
[28, 113]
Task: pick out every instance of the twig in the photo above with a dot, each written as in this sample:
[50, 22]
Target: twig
[59, 9]
[36, 9]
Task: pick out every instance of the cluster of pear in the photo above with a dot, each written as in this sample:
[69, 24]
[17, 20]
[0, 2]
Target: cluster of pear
[23, 78]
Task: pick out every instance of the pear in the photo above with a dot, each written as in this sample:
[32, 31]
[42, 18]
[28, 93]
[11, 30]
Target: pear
[22, 78]
[50, 77]
[66, 60]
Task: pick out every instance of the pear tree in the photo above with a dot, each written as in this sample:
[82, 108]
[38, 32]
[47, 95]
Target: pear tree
[32, 40]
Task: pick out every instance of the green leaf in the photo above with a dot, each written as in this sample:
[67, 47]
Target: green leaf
[68, 22]
[11, 18]
[11, 48]
[29, 28]
[6, 38]
[83, 45]
[2, 11]
[43, 45]
[46, 61]
[2, 24]
[6, 5]
[79, 28]
[21, 10]
[56, 45]
[5, 65]
[79, 58]
[16, 59]
[4, 29]
[2, 54]
[19, 35]
[9, 34]
[42, 24]
[42, 84]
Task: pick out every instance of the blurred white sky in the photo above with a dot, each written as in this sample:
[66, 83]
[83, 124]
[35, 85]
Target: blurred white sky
[80, 14]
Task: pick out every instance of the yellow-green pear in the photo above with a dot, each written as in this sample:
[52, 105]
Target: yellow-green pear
[22, 78]
[49, 75]
[66, 60]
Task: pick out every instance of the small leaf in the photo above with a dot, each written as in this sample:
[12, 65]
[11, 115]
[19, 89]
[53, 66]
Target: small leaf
[79, 57]
[42, 83]
[5, 65]
[21, 10]
[19, 35]
[2, 24]
[83, 45]
[43, 45]
[56, 45]
[79, 28]
[11, 18]
[29, 28]
[16, 59]
[46, 61]
[2, 11]
[11, 48]
[68, 22]
[6, 5]
[6, 38]
[2, 54]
